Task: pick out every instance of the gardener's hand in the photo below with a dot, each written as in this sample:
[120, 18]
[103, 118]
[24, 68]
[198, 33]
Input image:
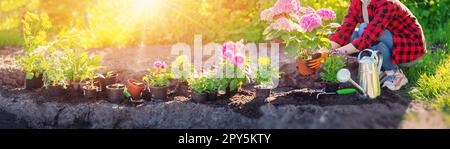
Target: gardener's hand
[334, 45]
[348, 49]
[317, 60]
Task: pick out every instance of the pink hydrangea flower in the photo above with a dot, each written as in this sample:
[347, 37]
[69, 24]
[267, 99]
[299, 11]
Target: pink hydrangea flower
[326, 14]
[284, 24]
[267, 15]
[159, 65]
[286, 7]
[228, 55]
[307, 10]
[228, 46]
[310, 21]
[239, 59]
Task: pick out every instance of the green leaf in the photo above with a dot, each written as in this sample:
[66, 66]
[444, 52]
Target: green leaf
[273, 35]
[285, 37]
[29, 76]
[234, 84]
[267, 30]
[292, 48]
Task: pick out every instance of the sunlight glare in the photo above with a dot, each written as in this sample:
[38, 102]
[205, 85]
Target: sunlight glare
[147, 7]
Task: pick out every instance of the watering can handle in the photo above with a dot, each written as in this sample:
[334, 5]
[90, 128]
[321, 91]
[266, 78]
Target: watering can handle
[375, 55]
[363, 51]
[379, 57]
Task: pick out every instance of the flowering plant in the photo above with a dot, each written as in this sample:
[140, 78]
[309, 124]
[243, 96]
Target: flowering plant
[206, 82]
[236, 65]
[181, 68]
[265, 73]
[35, 28]
[302, 29]
[331, 66]
[158, 76]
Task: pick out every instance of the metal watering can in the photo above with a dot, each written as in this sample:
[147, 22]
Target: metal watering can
[369, 69]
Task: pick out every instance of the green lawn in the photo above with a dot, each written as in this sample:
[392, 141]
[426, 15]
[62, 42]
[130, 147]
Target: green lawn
[430, 80]
[11, 38]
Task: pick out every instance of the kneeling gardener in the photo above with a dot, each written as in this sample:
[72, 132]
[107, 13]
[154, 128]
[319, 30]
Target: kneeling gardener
[386, 26]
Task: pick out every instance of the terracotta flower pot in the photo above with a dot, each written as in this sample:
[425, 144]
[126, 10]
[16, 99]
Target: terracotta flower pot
[55, 91]
[34, 83]
[199, 97]
[90, 92]
[159, 92]
[115, 93]
[303, 69]
[135, 88]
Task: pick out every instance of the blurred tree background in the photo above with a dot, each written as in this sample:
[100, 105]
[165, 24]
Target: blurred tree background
[125, 23]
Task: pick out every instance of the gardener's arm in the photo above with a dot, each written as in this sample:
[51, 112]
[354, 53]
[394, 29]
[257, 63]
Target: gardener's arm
[385, 12]
[352, 18]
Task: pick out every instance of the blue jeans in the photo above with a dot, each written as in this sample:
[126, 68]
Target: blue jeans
[385, 46]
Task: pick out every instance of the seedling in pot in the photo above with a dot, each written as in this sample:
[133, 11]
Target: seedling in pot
[53, 76]
[331, 66]
[264, 77]
[181, 69]
[90, 90]
[158, 80]
[197, 84]
[36, 48]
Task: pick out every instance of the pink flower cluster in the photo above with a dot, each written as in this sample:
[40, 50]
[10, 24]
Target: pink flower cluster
[267, 15]
[310, 21]
[306, 10]
[286, 7]
[289, 16]
[159, 65]
[284, 24]
[280, 9]
[326, 14]
[231, 52]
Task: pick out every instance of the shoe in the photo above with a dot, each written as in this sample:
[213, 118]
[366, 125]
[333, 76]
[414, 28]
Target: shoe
[394, 80]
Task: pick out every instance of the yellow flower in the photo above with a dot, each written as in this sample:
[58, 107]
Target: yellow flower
[264, 61]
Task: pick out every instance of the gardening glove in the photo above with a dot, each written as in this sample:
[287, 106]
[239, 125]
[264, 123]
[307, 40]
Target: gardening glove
[317, 60]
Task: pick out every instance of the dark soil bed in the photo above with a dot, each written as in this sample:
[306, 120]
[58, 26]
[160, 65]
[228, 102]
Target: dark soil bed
[286, 108]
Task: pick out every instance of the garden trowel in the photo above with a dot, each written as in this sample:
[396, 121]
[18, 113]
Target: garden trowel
[346, 91]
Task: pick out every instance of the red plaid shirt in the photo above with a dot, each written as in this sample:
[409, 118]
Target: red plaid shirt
[409, 41]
